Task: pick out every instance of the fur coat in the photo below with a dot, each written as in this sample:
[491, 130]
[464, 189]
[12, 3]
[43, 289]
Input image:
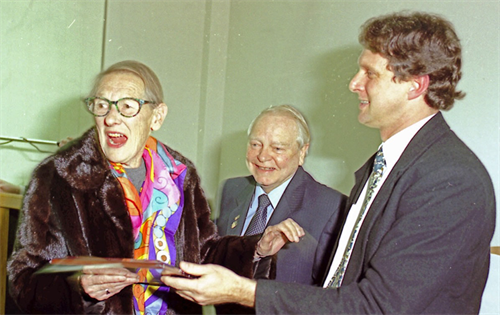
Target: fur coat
[75, 207]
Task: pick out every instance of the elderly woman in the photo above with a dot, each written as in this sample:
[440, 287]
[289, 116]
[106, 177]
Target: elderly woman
[118, 192]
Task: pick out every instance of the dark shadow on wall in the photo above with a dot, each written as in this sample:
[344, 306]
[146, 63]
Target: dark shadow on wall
[233, 153]
[340, 143]
[73, 119]
[232, 162]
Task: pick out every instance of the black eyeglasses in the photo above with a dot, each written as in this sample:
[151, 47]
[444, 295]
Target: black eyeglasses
[127, 106]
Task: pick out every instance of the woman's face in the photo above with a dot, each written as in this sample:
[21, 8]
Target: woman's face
[123, 139]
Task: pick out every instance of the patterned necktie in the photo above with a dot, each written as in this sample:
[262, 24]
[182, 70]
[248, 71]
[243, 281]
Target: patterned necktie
[378, 169]
[259, 220]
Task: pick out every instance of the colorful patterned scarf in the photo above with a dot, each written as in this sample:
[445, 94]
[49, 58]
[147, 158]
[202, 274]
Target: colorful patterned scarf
[155, 213]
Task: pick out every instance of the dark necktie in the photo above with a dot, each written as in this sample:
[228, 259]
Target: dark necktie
[259, 220]
[378, 169]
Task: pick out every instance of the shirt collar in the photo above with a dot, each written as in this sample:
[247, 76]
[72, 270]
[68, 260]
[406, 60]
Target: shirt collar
[275, 194]
[395, 145]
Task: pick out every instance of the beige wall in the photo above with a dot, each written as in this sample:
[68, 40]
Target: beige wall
[221, 62]
[49, 52]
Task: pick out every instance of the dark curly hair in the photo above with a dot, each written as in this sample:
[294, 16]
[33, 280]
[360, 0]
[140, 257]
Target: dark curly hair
[416, 44]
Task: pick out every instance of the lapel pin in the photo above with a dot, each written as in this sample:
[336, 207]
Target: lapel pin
[235, 222]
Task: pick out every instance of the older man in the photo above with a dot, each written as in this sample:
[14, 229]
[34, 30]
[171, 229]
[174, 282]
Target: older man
[278, 140]
[416, 238]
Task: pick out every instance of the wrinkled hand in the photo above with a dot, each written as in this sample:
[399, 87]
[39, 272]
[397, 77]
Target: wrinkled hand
[276, 236]
[214, 285]
[101, 284]
[7, 187]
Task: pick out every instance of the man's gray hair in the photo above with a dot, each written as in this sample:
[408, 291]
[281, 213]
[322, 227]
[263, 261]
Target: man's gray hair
[153, 91]
[304, 136]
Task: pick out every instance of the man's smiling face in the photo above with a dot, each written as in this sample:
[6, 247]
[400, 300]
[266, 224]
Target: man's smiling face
[273, 153]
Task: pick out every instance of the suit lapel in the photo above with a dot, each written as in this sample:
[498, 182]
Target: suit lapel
[290, 200]
[239, 213]
[424, 138]
[361, 176]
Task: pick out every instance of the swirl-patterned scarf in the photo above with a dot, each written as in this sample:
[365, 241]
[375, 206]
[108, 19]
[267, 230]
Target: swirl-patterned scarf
[155, 212]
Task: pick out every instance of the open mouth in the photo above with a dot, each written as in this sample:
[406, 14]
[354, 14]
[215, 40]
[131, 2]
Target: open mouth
[264, 168]
[363, 104]
[116, 139]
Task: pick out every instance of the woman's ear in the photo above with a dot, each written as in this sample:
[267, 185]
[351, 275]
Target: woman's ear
[159, 114]
[418, 87]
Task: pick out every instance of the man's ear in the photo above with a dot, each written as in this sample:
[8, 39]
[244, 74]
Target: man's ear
[419, 86]
[303, 153]
[159, 114]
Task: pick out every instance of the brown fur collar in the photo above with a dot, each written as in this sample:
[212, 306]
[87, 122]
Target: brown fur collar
[74, 206]
[81, 162]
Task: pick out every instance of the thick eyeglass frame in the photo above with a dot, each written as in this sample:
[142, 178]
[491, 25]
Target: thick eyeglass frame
[141, 102]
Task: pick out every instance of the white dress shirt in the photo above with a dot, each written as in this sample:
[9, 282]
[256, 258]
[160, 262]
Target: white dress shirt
[393, 149]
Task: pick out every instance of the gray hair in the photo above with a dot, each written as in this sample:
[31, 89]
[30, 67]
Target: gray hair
[152, 87]
[304, 136]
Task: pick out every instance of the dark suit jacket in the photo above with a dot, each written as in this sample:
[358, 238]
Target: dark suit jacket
[424, 245]
[312, 205]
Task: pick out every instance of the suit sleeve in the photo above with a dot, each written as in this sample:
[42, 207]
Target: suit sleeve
[434, 246]
[327, 240]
